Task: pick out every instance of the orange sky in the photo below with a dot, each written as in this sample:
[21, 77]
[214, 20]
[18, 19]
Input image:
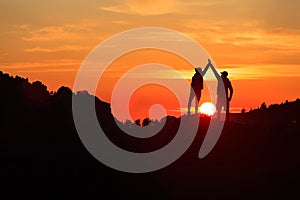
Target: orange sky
[257, 42]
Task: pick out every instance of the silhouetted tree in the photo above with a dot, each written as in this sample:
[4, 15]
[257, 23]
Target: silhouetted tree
[138, 122]
[39, 84]
[83, 92]
[146, 121]
[243, 110]
[155, 122]
[263, 106]
[127, 122]
[37, 91]
[64, 91]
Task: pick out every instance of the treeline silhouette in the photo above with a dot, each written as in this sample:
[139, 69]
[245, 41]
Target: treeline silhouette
[281, 115]
[257, 155]
[264, 106]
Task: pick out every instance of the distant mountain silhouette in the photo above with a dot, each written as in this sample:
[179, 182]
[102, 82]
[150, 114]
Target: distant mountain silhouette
[257, 155]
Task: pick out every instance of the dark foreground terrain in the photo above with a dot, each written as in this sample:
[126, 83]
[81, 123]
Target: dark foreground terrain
[256, 157]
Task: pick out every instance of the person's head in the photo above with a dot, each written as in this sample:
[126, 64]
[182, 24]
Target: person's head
[224, 74]
[198, 69]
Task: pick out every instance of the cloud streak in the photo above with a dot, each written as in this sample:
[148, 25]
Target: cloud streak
[157, 7]
[55, 65]
[244, 72]
[143, 8]
[54, 33]
[57, 49]
[247, 34]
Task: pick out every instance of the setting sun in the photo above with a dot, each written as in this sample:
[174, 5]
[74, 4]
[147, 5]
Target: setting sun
[208, 108]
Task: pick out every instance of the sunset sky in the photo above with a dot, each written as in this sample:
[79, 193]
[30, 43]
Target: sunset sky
[257, 42]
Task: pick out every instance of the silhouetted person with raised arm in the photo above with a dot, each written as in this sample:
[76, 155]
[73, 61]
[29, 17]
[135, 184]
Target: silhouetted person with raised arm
[196, 88]
[224, 85]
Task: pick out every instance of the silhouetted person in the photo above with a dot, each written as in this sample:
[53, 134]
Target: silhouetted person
[196, 88]
[223, 98]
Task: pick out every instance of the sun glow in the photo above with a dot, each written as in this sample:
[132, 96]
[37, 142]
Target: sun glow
[208, 108]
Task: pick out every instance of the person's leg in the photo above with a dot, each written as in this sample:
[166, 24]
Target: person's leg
[219, 107]
[196, 105]
[227, 110]
[198, 96]
[192, 95]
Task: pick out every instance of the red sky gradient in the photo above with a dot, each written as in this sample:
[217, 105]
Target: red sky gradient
[257, 42]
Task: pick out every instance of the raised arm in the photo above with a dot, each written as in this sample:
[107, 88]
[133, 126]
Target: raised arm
[205, 69]
[214, 70]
